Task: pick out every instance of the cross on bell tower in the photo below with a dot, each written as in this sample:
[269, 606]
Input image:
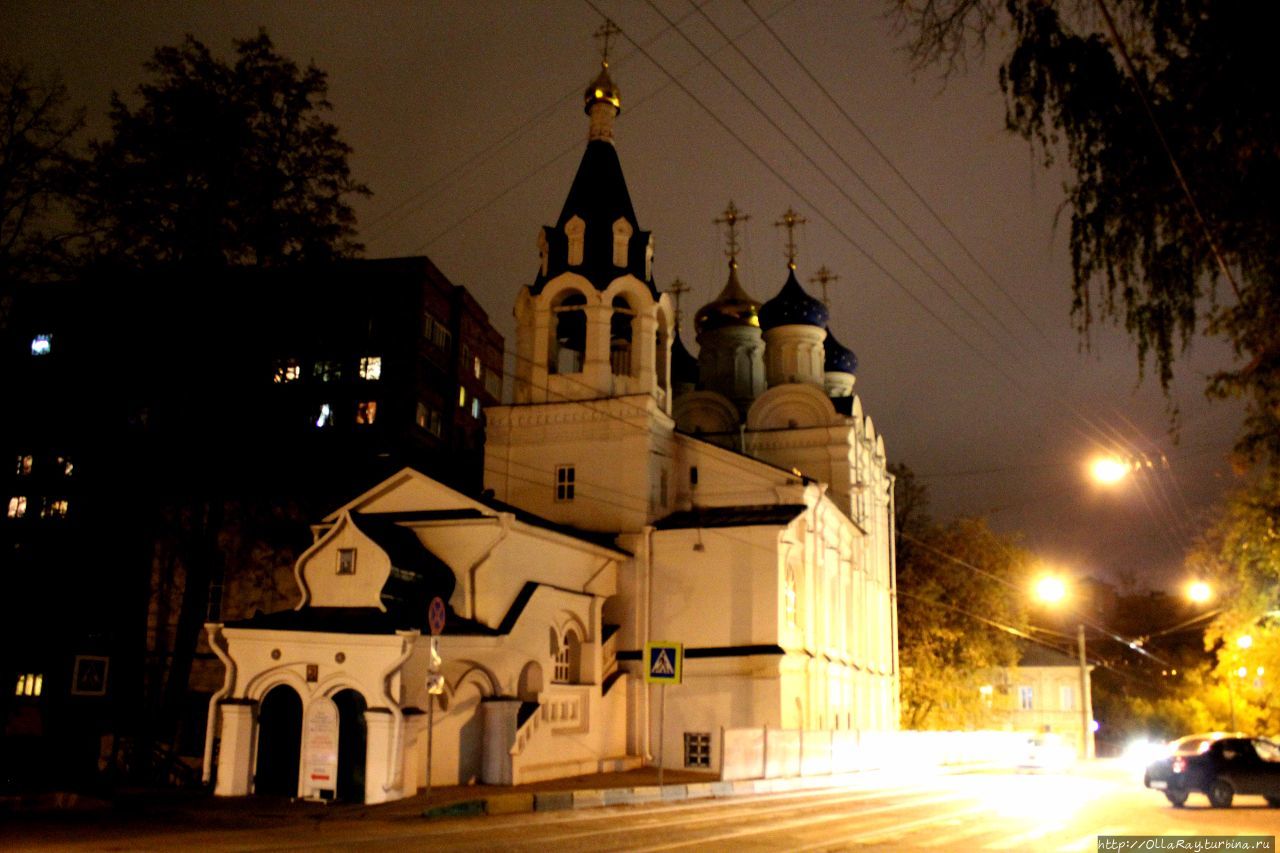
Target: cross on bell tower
[606, 32]
[789, 221]
[731, 217]
[677, 289]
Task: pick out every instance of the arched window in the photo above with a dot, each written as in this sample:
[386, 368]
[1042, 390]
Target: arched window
[568, 659]
[575, 229]
[568, 334]
[620, 337]
[543, 250]
[661, 348]
[621, 242]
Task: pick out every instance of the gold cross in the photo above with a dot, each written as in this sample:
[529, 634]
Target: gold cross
[677, 289]
[607, 31]
[790, 220]
[823, 277]
[732, 217]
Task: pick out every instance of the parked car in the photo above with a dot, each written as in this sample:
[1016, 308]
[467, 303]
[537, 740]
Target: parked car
[1218, 766]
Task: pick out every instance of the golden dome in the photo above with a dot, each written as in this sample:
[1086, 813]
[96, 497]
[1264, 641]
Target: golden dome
[733, 307]
[602, 89]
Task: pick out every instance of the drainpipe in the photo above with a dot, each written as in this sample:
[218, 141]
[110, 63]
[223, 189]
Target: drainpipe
[395, 772]
[211, 722]
[504, 522]
[648, 635]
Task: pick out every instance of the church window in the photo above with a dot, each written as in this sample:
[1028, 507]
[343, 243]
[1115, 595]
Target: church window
[371, 367]
[661, 349]
[24, 464]
[621, 242]
[287, 370]
[790, 596]
[565, 476]
[346, 561]
[325, 417]
[327, 371]
[569, 341]
[366, 411]
[620, 337]
[662, 489]
[693, 475]
[29, 684]
[697, 749]
[17, 506]
[42, 344]
[575, 229]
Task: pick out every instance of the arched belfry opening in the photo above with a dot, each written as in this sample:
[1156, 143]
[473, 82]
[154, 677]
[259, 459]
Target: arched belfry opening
[568, 345]
[621, 360]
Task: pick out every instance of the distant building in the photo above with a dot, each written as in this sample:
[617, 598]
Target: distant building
[152, 419]
[1043, 693]
[745, 515]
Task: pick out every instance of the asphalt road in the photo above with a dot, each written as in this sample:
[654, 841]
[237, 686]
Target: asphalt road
[962, 812]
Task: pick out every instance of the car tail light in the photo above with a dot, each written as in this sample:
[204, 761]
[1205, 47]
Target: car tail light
[1179, 764]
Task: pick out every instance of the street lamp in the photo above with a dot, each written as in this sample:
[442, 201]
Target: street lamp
[1199, 592]
[1052, 589]
[1109, 470]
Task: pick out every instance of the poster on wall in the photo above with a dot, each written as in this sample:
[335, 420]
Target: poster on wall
[89, 678]
[320, 750]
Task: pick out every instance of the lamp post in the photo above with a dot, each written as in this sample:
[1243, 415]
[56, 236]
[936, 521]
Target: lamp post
[1053, 590]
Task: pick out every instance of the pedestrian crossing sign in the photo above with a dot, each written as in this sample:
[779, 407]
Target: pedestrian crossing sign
[664, 663]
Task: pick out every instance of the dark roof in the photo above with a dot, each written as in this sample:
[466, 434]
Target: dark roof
[792, 306]
[730, 516]
[355, 620]
[1034, 654]
[600, 198]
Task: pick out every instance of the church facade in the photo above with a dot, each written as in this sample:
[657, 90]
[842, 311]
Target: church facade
[737, 504]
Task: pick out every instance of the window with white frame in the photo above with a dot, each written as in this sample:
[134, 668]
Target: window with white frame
[568, 657]
[1067, 697]
[1026, 698]
[565, 476]
[697, 749]
[346, 561]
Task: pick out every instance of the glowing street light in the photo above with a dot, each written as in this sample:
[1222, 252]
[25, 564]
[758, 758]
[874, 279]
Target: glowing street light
[1109, 470]
[1051, 589]
[1199, 592]
[1244, 641]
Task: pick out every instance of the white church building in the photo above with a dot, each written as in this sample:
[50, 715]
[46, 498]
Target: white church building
[738, 505]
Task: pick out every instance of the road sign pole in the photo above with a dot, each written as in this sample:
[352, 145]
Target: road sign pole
[662, 726]
[431, 712]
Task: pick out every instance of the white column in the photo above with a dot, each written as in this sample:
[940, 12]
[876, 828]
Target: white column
[235, 754]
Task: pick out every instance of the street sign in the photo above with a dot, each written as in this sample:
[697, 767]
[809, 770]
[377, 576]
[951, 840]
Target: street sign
[436, 614]
[320, 749]
[664, 663]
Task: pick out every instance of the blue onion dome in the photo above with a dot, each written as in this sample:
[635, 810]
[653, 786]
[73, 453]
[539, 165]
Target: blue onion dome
[733, 307]
[684, 367]
[602, 89]
[792, 306]
[839, 358]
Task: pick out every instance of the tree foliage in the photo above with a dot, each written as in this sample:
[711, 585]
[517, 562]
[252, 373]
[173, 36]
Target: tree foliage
[221, 164]
[37, 133]
[1168, 251]
[957, 596]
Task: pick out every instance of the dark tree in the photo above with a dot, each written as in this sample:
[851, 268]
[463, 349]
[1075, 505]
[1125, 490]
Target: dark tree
[1169, 122]
[222, 165]
[36, 135]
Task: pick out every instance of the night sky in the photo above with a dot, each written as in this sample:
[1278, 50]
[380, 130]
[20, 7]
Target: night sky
[466, 119]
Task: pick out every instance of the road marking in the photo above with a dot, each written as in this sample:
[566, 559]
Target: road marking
[1018, 842]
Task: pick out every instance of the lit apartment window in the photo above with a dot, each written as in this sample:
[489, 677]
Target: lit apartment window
[462, 398]
[346, 561]
[697, 749]
[327, 371]
[287, 370]
[564, 482]
[436, 332]
[29, 684]
[371, 367]
[24, 464]
[1025, 698]
[475, 407]
[54, 508]
[17, 506]
[475, 366]
[493, 384]
[42, 344]
[65, 463]
[366, 411]
[1067, 697]
[325, 418]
